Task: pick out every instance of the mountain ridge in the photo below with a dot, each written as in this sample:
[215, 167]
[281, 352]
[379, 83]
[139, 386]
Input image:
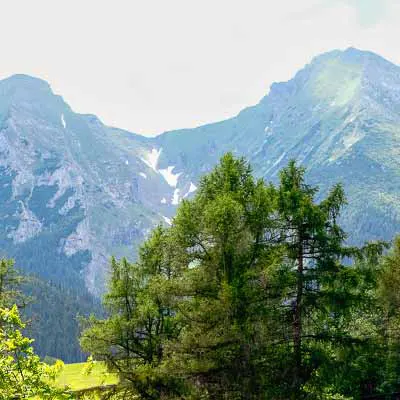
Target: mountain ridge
[76, 191]
[325, 114]
[329, 84]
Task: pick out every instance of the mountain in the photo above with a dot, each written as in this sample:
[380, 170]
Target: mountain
[339, 117]
[71, 189]
[74, 191]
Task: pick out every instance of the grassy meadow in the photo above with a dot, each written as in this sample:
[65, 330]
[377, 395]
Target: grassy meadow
[76, 376]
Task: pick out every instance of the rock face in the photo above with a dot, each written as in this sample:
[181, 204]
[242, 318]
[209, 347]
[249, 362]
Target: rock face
[74, 191]
[71, 189]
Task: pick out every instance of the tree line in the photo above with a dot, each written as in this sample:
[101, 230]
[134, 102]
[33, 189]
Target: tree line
[252, 293]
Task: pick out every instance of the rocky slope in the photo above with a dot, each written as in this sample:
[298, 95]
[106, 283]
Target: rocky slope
[72, 189]
[75, 191]
[339, 116]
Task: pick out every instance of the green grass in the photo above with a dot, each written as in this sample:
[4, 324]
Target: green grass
[74, 376]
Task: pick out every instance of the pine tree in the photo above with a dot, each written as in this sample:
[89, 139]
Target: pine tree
[131, 340]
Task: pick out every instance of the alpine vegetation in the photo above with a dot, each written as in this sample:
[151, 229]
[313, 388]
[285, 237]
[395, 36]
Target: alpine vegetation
[252, 293]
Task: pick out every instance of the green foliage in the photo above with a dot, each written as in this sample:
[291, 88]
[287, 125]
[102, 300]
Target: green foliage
[219, 252]
[389, 299]
[313, 246]
[22, 375]
[131, 340]
[252, 293]
[51, 311]
[10, 285]
[53, 315]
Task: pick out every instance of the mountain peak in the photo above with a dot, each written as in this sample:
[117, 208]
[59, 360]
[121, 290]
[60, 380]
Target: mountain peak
[340, 76]
[351, 56]
[26, 82]
[30, 93]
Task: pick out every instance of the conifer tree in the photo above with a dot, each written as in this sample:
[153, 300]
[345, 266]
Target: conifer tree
[131, 340]
[389, 300]
[222, 244]
[314, 246]
[324, 284]
[10, 285]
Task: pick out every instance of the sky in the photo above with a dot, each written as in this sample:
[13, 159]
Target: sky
[149, 66]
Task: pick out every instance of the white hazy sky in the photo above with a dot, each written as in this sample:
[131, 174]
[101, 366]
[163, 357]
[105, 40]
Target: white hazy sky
[150, 66]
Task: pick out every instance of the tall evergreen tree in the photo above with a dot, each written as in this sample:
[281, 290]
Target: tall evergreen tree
[325, 288]
[131, 340]
[222, 243]
[10, 285]
[314, 246]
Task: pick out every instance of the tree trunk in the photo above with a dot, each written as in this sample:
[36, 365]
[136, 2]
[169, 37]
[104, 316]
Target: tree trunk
[297, 324]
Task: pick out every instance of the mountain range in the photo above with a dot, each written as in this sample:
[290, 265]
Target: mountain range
[75, 191]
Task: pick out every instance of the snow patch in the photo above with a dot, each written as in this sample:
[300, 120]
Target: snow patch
[143, 175]
[163, 200]
[268, 132]
[151, 159]
[192, 189]
[63, 121]
[169, 176]
[167, 220]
